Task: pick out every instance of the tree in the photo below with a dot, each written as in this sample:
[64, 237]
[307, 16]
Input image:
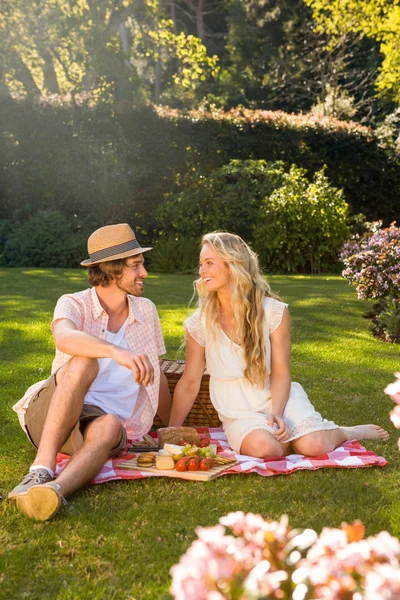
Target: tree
[109, 48]
[375, 19]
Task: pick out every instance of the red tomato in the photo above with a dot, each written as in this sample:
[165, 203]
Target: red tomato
[205, 464]
[183, 442]
[211, 461]
[204, 443]
[193, 465]
[181, 465]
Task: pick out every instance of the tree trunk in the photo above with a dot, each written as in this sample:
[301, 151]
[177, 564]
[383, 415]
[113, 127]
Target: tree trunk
[201, 33]
[157, 77]
[49, 74]
[23, 74]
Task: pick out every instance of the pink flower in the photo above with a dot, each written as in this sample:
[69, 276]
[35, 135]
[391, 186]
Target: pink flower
[393, 390]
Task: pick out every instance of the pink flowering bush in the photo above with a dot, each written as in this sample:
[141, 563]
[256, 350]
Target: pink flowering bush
[393, 390]
[372, 265]
[248, 558]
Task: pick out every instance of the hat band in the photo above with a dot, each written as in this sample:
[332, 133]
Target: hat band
[113, 250]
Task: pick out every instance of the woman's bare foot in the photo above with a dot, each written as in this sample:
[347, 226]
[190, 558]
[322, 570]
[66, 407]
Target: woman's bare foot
[365, 432]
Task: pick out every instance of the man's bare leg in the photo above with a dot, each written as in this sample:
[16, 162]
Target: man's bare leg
[164, 400]
[73, 381]
[103, 434]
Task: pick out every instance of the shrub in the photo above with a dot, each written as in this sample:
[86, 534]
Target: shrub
[47, 239]
[249, 558]
[388, 134]
[372, 265]
[174, 254]
[228, 199]
[301, 225]
[112, 163]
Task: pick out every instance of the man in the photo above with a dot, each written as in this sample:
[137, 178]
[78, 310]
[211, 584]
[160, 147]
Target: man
[105, 381]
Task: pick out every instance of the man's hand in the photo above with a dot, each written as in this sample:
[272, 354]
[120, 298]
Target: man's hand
[282, 431]
[140, 364]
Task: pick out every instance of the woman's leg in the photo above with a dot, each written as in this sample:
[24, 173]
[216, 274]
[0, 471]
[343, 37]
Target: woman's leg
[262, 444]
[321, 442]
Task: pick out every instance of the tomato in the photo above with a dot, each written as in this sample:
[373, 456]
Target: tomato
[183, 442]
[181, 465]
[211, 461]
[193, 465]
[205, 464]
[205, 442]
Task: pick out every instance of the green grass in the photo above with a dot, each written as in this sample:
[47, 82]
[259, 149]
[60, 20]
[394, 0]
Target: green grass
[119, 540]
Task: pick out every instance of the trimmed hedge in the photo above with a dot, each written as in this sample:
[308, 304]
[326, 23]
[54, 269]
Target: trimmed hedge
[111, 163]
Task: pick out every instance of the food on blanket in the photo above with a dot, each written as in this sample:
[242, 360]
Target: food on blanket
[182, 442]
[163, 452]
[173, 449]
[206, 464]
[147, 442]
[222, 460]
[177, 457]
[150, 440]
[165, 462]
[205, 442]
[173, 435]
[146, 459]
[181, 465]
[193, 464]
[193, 451]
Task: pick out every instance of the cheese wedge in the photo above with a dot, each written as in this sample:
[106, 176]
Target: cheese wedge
[165, 462]
[172, 449]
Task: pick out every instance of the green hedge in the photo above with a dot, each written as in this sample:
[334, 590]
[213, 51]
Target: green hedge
[107, 165]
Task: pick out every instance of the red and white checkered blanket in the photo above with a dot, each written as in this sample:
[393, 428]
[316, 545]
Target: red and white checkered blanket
[351, 455]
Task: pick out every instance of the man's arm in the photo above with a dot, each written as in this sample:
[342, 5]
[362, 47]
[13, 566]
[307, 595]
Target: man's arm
[70, 340]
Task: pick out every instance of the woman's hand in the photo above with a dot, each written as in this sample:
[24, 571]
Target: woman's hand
[282, 431]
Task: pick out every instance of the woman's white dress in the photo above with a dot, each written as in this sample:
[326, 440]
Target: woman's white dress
[241, 406]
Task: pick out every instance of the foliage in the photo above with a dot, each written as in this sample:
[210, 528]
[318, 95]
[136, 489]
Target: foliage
[47, 238]
[354, 161]
[337, 103]
[175, 254]
[302, 225]
[248, 558]
[274, 58]
[112, 163]
[379, 20]
[114, 50]
[229, 199]
[388, 134]
[372, 265]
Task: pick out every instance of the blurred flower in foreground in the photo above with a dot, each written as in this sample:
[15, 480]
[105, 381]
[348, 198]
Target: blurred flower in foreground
[267, 560]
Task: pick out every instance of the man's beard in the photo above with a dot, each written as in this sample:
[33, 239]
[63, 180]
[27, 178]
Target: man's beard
[132, 289]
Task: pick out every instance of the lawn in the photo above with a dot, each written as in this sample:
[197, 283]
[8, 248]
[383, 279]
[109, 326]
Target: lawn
[119, 540]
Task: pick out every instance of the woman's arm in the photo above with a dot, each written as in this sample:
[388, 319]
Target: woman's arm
[280, 374]
[188, 386]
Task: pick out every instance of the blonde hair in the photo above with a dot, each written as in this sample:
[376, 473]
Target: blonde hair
[248, 290]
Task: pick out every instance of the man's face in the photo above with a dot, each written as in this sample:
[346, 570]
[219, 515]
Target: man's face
[133, 274]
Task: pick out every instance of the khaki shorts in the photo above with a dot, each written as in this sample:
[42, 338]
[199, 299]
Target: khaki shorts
[36, 414]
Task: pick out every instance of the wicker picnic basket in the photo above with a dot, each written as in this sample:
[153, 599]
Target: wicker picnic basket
[202, 413]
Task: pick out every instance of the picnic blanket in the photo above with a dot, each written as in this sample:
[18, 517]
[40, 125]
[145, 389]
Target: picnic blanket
[351, 455]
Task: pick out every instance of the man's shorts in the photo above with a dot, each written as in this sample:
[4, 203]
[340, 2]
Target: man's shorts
[36, 414]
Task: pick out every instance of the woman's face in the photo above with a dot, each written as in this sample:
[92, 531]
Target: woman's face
[213, 270]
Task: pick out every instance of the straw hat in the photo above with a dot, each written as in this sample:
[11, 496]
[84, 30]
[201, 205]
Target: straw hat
[112, 242]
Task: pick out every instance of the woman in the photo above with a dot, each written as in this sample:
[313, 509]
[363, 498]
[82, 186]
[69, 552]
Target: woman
[242, 332]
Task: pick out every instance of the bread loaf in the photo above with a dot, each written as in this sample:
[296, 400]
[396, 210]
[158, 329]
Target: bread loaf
[173, 435]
